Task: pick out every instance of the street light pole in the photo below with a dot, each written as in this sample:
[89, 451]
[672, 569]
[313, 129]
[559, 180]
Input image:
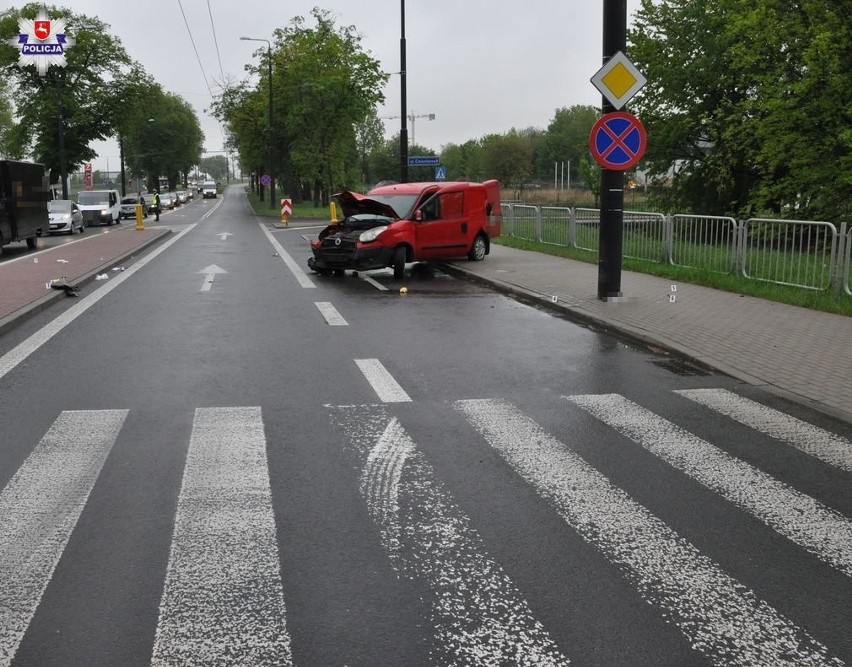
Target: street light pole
[269, 129]
[403, 131]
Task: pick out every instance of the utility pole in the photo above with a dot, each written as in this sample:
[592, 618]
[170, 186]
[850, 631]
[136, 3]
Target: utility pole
[612, 181]
[403, 130]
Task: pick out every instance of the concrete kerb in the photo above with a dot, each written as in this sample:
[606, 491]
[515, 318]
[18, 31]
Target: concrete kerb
[41, 304]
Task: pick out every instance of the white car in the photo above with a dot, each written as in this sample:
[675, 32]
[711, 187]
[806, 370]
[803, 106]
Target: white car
[65, 217]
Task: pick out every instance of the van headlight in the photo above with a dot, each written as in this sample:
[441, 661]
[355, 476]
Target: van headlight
[372, 234]
[105, 211]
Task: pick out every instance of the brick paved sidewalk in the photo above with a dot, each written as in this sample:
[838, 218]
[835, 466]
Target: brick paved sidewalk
[23, 280]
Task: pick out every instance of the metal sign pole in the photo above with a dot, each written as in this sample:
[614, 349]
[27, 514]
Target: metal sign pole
[612, 181]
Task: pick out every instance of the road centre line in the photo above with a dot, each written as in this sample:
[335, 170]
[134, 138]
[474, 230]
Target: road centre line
[798, 517]
[478, 614]
[329, 312]
[223, 598]
[24, 349]
[812, 440]
[382, 381]
[39, 509]
[720, 617]
[300, 275]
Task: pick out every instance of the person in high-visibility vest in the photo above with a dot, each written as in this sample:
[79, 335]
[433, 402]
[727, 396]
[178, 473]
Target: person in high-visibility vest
[156, 202]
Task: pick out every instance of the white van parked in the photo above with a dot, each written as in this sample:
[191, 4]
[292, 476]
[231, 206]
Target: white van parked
[100, 207]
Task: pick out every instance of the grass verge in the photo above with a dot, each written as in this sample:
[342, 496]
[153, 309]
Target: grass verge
[304, 210]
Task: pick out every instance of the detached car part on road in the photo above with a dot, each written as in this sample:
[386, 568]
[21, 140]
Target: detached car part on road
[409, 222]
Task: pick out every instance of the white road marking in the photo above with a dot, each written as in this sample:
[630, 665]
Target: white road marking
[210, 274]
[223, 601]
[798, 517]
[39, 509]
[24, 349]
[329, 312]
[382, 382]
[372, 281]
[479, 616]
[721, 618]
[816, 442]
[300, 275]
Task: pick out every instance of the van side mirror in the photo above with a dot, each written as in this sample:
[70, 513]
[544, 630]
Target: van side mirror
[418, 215]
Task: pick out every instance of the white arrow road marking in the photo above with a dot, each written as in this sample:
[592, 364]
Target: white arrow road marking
[329, 312]
[798, 517]
[721, 618]
[223, 600]
[300, 275]
[224, 235]
[210, 274]
[15, 356]
[382, 381]
[812, 440]
[39, 509]
[479, 616]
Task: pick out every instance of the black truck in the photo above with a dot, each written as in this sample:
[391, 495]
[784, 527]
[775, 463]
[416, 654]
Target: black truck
[24, 194]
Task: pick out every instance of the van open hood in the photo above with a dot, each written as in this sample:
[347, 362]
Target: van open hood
[353, 203]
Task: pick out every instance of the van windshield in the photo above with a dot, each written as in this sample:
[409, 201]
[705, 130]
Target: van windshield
[89, 198]
[401, 204]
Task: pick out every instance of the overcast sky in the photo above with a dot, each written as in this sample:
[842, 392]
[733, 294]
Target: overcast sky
[481, 66]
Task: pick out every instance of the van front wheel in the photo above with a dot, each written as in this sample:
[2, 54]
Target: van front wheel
[477, 250]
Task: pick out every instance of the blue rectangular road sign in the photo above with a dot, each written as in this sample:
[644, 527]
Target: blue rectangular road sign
[423, 161]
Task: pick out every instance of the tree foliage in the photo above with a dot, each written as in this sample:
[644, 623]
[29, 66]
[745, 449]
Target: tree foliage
[748, 106]
[86, 92]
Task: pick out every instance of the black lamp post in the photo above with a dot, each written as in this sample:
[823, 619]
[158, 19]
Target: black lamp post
[269, 129]
[403, 130]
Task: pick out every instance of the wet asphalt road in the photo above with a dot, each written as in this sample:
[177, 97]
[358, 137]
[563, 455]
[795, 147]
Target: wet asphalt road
[224, 459]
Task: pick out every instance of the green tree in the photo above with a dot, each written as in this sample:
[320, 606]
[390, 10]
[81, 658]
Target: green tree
[748, 106]
[80, 100]
[327, 85]
[509, 159]
[7, 125]
[567, 137]
[369, 136]
[167, 143]
[243, 111]
[215, 165]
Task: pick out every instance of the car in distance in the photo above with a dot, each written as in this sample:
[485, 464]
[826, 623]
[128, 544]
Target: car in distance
[128, 206]
[65, 217]
[409, 222]
[208, 189]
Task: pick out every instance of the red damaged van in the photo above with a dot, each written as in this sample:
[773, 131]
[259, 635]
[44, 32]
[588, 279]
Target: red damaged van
[409, 222]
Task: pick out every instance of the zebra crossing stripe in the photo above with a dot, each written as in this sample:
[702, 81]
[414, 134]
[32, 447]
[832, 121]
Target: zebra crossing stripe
[223, 600]
[382, 382]
[812, 440]
[800, 518]
[479, 616]
[39, 509]
[720, 617]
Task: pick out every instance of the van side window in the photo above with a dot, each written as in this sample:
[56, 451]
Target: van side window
[431, 209]
[452, 205]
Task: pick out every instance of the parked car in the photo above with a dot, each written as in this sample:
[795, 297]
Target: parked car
[65, 217]
[128, 206]
[100, 207]
[168, 200]
[409, 222]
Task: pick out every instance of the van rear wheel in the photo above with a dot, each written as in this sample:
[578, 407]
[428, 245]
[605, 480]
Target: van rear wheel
[477, 250]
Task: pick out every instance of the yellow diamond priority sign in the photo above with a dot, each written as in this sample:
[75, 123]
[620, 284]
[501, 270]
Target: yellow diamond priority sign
[618, 80]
